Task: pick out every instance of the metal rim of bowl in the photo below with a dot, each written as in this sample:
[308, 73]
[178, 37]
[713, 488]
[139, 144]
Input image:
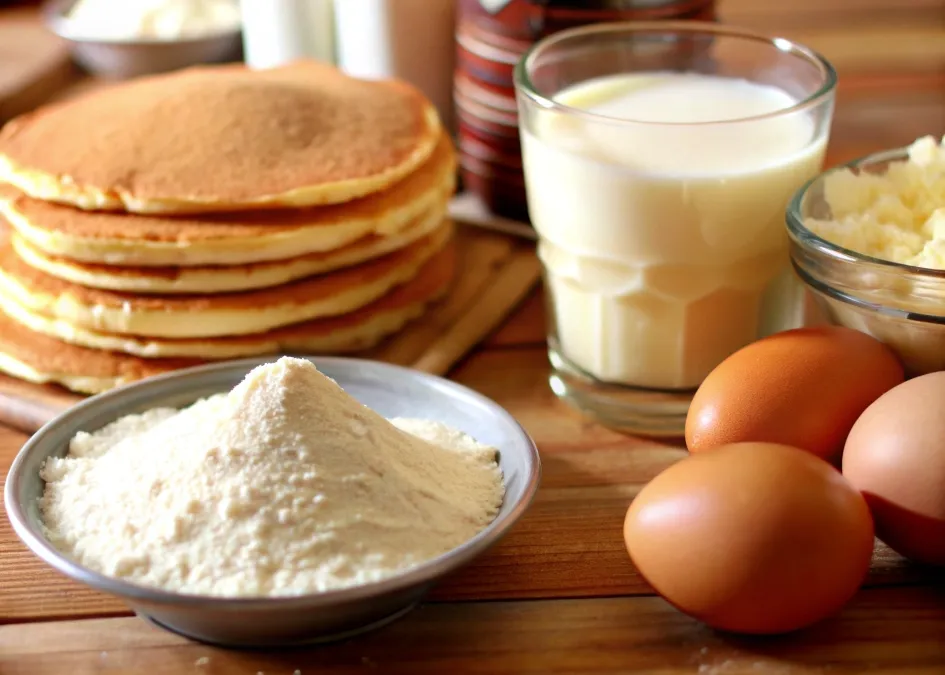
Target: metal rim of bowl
[53, 13]
[424, 573]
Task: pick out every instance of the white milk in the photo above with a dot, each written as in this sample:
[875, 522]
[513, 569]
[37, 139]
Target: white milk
[412, 40]
[662, 241]
[277, 32]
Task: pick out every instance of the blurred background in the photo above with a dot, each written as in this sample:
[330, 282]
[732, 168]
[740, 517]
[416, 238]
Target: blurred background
[890, 55]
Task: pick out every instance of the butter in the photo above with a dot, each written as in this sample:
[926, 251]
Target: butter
[898, 215]
[152, 19]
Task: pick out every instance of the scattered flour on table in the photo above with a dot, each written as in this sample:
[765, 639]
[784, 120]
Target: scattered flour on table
[284, 486]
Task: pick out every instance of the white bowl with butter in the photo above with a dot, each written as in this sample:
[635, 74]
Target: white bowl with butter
[322, 572]
[130, 38]
[868, 241]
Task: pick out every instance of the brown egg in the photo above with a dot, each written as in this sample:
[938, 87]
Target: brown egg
[803, 388]
[895, 455]
[752, 537]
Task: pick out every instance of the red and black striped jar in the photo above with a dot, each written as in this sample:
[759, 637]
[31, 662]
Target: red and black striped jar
[491, 37]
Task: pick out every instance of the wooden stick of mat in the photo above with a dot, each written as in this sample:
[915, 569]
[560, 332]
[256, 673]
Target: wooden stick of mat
[468, 209]
[507, 290]
[483, 255]
[27, 415]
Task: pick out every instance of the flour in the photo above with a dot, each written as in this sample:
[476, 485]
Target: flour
[284, 486]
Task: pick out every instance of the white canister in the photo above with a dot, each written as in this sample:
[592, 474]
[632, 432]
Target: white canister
[276, 32]
[413, 40]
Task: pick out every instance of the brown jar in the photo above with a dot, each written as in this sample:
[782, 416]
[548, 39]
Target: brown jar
[491, 37]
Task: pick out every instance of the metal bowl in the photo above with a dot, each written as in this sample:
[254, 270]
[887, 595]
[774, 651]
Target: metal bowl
[122, 59]
[264, 622]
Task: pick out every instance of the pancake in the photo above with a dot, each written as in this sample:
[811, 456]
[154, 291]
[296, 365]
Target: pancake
[221, 138]
[356, 331]
[183, 316]
[225, 279]
[233, 238]
[44, 360]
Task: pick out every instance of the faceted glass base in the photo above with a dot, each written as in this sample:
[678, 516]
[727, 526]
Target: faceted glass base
[631, 410]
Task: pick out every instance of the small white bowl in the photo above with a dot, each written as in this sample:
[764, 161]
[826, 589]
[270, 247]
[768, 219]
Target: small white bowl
[392, 391]
[123, 59]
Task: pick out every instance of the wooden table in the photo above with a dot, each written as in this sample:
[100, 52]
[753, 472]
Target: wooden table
[560, 595]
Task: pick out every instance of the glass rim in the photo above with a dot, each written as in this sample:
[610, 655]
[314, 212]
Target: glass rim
[811, 241]
[525, 86]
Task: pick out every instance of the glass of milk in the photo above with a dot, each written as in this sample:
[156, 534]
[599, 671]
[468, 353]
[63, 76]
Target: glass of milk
[659, 159]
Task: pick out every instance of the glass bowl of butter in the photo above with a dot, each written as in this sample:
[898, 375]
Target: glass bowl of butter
[868, 240]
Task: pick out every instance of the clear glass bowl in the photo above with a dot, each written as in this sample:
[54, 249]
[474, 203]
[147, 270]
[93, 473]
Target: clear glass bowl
[901, 305]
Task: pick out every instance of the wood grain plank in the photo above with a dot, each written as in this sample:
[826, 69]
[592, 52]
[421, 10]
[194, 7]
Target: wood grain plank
[493, 305]
[34, 63]
[811, 8]
[841, 14]
[882, 47]
[484, 253]
[865, 126]
[26, 406]
[891, 59]
[855, 35]
[525, 328]
[887, 631]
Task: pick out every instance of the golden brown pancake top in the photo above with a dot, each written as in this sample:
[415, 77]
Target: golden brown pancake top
[223, 133]
[247, 224]
[300, 292]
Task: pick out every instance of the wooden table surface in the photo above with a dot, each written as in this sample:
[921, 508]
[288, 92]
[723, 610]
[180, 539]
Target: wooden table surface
[559, 594]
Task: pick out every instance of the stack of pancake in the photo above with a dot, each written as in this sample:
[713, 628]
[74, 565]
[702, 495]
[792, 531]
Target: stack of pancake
[218, 212]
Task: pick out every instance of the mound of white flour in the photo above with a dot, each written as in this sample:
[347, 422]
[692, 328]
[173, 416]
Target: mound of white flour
[284, 486]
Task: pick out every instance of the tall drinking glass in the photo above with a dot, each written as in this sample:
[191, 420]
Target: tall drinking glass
[659, 158]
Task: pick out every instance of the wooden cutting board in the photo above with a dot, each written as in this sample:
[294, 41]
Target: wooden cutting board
[34, 64]
[496, 272]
